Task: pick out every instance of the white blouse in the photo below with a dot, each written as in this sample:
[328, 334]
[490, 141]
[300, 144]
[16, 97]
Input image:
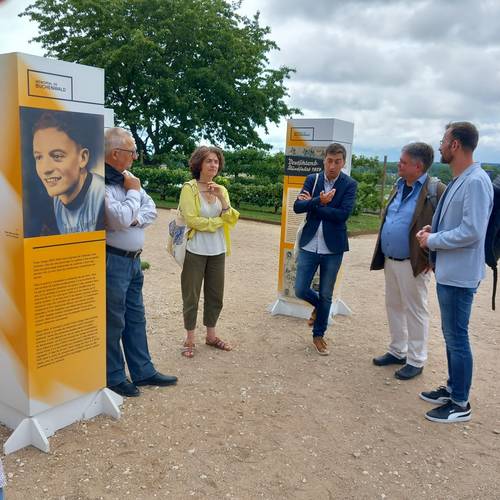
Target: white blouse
[204, 242]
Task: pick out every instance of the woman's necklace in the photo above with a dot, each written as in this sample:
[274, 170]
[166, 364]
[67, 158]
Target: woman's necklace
[208, 195]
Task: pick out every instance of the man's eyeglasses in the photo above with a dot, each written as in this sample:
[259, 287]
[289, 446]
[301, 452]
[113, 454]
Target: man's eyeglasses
[442, 141]
[133, 152]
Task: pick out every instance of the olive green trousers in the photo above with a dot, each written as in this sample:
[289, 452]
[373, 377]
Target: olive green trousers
[209, 270]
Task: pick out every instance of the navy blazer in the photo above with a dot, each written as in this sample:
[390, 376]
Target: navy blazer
[334, 215]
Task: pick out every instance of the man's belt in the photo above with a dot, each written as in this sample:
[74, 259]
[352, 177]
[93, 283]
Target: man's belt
[124, 253]
[396, 259]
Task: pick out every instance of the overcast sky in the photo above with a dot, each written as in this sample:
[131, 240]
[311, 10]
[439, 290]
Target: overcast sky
[400, 70]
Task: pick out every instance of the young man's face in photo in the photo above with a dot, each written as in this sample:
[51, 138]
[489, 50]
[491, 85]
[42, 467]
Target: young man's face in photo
[60, 162]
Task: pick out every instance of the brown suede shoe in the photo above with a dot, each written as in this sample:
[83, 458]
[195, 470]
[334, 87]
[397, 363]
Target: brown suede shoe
[320, 345]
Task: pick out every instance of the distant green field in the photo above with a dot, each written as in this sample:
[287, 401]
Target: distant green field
[359, 224]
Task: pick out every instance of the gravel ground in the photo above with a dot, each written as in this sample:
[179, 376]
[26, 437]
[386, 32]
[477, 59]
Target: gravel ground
[272, 419]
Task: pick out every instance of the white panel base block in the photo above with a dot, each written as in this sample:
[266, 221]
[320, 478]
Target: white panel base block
[36, 430]
[287, 307]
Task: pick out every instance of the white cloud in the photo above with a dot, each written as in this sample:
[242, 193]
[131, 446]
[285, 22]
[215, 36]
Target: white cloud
[15, 32]
[400, 70]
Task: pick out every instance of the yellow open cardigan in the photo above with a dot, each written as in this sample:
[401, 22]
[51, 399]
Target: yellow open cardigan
[190, 206]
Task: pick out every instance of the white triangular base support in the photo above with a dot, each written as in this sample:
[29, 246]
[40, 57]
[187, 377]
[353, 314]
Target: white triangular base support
[106, 402]
[28, 432]
[36, 430]
[288, 307]
[341, 308]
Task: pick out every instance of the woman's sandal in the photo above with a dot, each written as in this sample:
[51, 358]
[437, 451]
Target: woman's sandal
[187, 350]
[218, 344]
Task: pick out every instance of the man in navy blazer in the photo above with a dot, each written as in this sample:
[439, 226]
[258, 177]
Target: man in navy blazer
[328, 199]
[456, 241]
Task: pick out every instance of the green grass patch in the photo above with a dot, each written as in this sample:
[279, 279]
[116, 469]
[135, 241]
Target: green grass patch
[357, 224]
[363, 224]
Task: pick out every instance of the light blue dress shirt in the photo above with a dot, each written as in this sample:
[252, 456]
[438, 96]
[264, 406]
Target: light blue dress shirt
[394, 236]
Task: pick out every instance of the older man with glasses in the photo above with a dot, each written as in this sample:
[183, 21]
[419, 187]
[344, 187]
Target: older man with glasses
[406, 267]
[129, 210]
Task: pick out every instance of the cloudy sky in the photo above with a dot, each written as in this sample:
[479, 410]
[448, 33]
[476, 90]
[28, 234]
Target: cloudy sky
[400, 70]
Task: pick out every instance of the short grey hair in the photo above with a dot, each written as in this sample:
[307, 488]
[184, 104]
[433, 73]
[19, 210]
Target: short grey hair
[420, 151]
[114, 138]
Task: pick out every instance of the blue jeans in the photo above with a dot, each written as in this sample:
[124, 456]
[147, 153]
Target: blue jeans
[307, 265]
[125, 321]
[1, 493]
[455, 304]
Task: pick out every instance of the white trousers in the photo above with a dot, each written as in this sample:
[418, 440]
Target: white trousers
[407, 311]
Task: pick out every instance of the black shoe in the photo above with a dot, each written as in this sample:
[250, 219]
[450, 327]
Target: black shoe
[439, 396]
[408, 372]
[125, 388]
[158, 379]
[388, 359]
[449, 413]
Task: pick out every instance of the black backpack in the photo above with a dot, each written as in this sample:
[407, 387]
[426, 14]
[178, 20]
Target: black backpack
[492, 242]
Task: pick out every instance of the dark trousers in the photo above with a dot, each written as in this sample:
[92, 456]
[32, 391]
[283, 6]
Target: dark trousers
[329, 266]
[455, 304]
[209, 270]
[125, 321]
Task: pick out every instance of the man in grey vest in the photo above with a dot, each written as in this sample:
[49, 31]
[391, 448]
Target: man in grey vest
[406, 266]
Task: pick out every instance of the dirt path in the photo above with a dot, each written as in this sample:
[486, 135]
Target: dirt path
[272, 419]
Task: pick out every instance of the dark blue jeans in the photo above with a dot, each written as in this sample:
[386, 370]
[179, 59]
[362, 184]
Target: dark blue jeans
[307, 265]
[455, 304]
[125, 321]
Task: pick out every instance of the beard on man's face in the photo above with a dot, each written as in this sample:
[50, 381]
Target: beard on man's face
[445, 158]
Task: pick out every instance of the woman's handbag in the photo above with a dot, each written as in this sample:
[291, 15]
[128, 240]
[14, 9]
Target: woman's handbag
[177, 238]
[296, 246]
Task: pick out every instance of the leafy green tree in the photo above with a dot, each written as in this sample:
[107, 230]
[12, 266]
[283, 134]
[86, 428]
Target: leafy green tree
[254, 164]
[367, 171]
[366, 163]
[177, 71]
[441, 171]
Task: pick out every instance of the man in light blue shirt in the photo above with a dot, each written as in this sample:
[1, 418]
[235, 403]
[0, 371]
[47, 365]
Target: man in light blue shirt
[405, 264]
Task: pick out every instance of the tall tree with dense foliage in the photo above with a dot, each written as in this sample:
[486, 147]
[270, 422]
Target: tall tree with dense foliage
[177, 71]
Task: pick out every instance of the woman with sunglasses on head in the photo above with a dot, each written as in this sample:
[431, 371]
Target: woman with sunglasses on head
[206, 208]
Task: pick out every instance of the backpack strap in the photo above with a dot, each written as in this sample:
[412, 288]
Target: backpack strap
[314, 187]
[494, 293]
[432, 188]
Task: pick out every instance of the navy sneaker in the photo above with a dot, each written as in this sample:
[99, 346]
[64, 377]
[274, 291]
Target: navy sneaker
[438, 397]
[449, 413]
